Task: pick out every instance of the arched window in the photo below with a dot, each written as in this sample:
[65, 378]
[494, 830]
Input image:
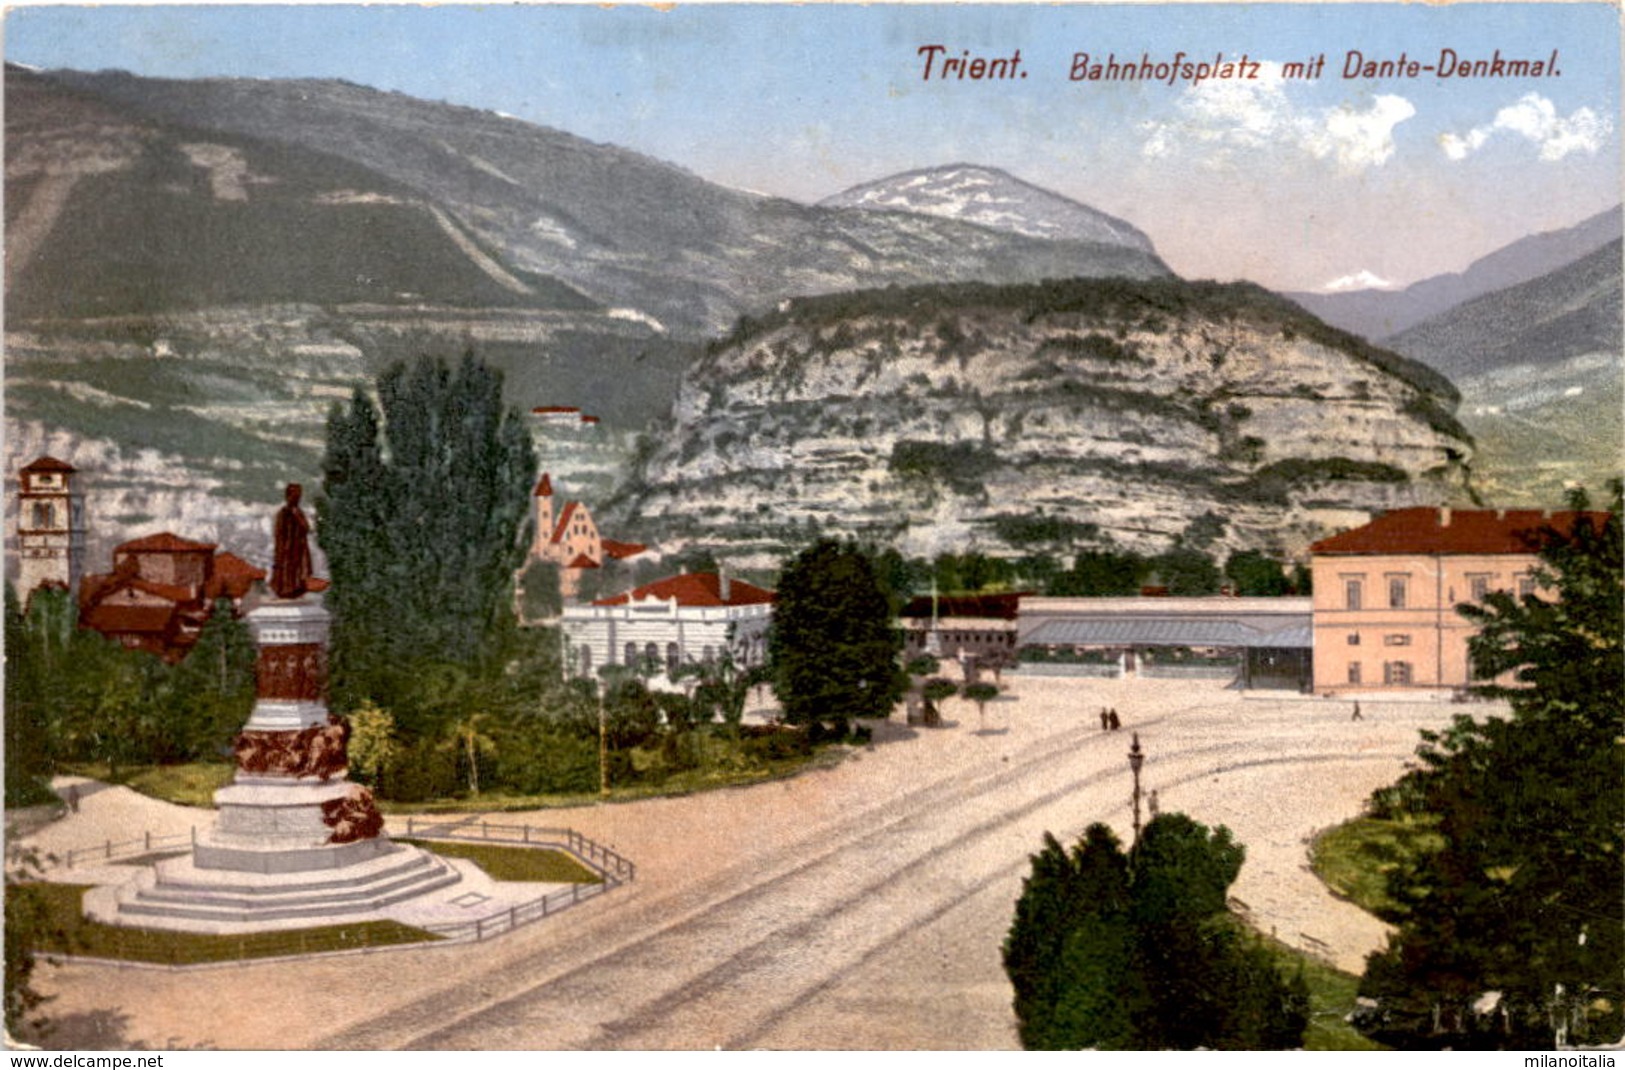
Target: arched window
[674, 657]
[42, 515]
[631, 654]
[651, 654]
[586, 661]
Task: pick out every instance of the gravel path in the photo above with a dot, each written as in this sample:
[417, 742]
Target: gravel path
[861, 906]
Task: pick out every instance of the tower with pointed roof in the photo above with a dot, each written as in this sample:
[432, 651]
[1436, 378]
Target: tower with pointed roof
[50, 527]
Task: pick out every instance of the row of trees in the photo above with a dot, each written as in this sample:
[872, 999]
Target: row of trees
[1136, 950]
[1184, 570]
[73, 696]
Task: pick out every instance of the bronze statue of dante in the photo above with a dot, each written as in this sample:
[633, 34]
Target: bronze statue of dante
[290, 571]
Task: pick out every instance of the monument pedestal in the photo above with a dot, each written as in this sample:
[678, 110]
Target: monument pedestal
[295, 843]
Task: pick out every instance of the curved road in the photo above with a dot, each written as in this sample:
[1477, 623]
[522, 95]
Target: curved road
[855, 907]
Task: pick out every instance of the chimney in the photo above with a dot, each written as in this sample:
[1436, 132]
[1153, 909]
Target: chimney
[1500, 514]
[1444, 516]
[724, 588]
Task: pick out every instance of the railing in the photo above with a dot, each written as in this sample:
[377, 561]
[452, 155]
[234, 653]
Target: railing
[612, 867]
[111, 849]
[1189, 672]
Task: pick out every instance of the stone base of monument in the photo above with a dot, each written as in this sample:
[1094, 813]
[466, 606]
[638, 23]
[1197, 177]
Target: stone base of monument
[179, 894]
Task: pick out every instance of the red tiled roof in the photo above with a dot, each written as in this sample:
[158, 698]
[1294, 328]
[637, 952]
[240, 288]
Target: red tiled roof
[316, 585]
[543, 410]
[1469, 531]
[233, 577]
[589, 419]
[620, 551]
[49, 464]
[544, 487]
[582, 561]
[111, 620]
[694, 589]
[163, 542]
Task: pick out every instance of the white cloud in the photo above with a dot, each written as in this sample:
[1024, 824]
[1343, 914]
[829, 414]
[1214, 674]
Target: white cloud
[1220, 116]
[1360, 139]
[1535, 119]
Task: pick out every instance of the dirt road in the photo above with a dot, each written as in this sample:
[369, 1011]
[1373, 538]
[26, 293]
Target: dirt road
[856, 907]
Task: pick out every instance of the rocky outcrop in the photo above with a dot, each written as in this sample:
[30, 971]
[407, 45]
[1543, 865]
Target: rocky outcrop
[1044, 416]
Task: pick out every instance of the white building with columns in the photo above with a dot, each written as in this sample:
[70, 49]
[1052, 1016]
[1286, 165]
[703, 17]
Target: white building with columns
[690, 618]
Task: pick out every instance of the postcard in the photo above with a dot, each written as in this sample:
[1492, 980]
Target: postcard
[758, 526]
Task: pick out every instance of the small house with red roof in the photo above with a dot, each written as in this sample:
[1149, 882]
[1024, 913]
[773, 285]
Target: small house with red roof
[693, 617]
[571, 539]
[1385, 594]
[161, 592]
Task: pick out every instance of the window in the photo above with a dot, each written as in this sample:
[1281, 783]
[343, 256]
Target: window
[631, 653]
[1397, 673]
[42, 515]
[1478, 586]
[651, 655]
[1354, 639]
[1526, 586]
[1352, 590]
[1396, 592]
[586, 661]
[674, 658]
[1396, 640]
[1354, 672]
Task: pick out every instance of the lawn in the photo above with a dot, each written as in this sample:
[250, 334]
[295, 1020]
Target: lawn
[1357, 858]
[1331, 998]
[539, 864]
[69, 932]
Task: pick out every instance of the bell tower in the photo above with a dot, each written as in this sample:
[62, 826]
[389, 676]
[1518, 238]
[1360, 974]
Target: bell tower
[50, 527]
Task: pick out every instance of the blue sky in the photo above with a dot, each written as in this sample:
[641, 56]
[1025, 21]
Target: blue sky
[1294, 183]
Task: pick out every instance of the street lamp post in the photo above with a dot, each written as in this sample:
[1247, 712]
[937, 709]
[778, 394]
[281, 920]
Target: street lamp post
[1136, 758]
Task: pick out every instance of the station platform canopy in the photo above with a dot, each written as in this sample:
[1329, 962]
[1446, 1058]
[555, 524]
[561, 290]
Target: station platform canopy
[1236, 623]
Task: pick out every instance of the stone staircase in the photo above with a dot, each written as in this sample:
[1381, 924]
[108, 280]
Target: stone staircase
[177, 894]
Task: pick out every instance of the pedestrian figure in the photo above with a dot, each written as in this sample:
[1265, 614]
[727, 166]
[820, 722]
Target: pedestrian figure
[1356, 715]
[73, 798]
[1105, 722]
[1111, 718]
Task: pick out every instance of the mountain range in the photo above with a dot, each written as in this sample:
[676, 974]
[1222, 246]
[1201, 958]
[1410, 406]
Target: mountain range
[196, 269]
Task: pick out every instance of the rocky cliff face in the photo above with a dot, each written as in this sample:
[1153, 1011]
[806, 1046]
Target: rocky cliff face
[1015, 418]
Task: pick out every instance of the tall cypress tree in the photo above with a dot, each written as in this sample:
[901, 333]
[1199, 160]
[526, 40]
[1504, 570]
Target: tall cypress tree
[423, 518]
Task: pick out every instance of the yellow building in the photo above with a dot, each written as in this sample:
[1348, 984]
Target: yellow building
[1385, 595]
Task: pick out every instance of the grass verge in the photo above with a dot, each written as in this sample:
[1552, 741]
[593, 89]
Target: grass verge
[1357, 859]
[69, 932]
[1331, 998]
[539, 864]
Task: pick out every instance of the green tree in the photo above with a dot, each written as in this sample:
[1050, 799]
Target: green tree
[1257, 575]
[1137, 950]
[1099, 574]
[1522, 898]
[1187, 572]
[27, 733]
[422, 516]
[833, 646]
[210, 694]
[981, 694]
[469, 737]
[372, 748]
[539, 597]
